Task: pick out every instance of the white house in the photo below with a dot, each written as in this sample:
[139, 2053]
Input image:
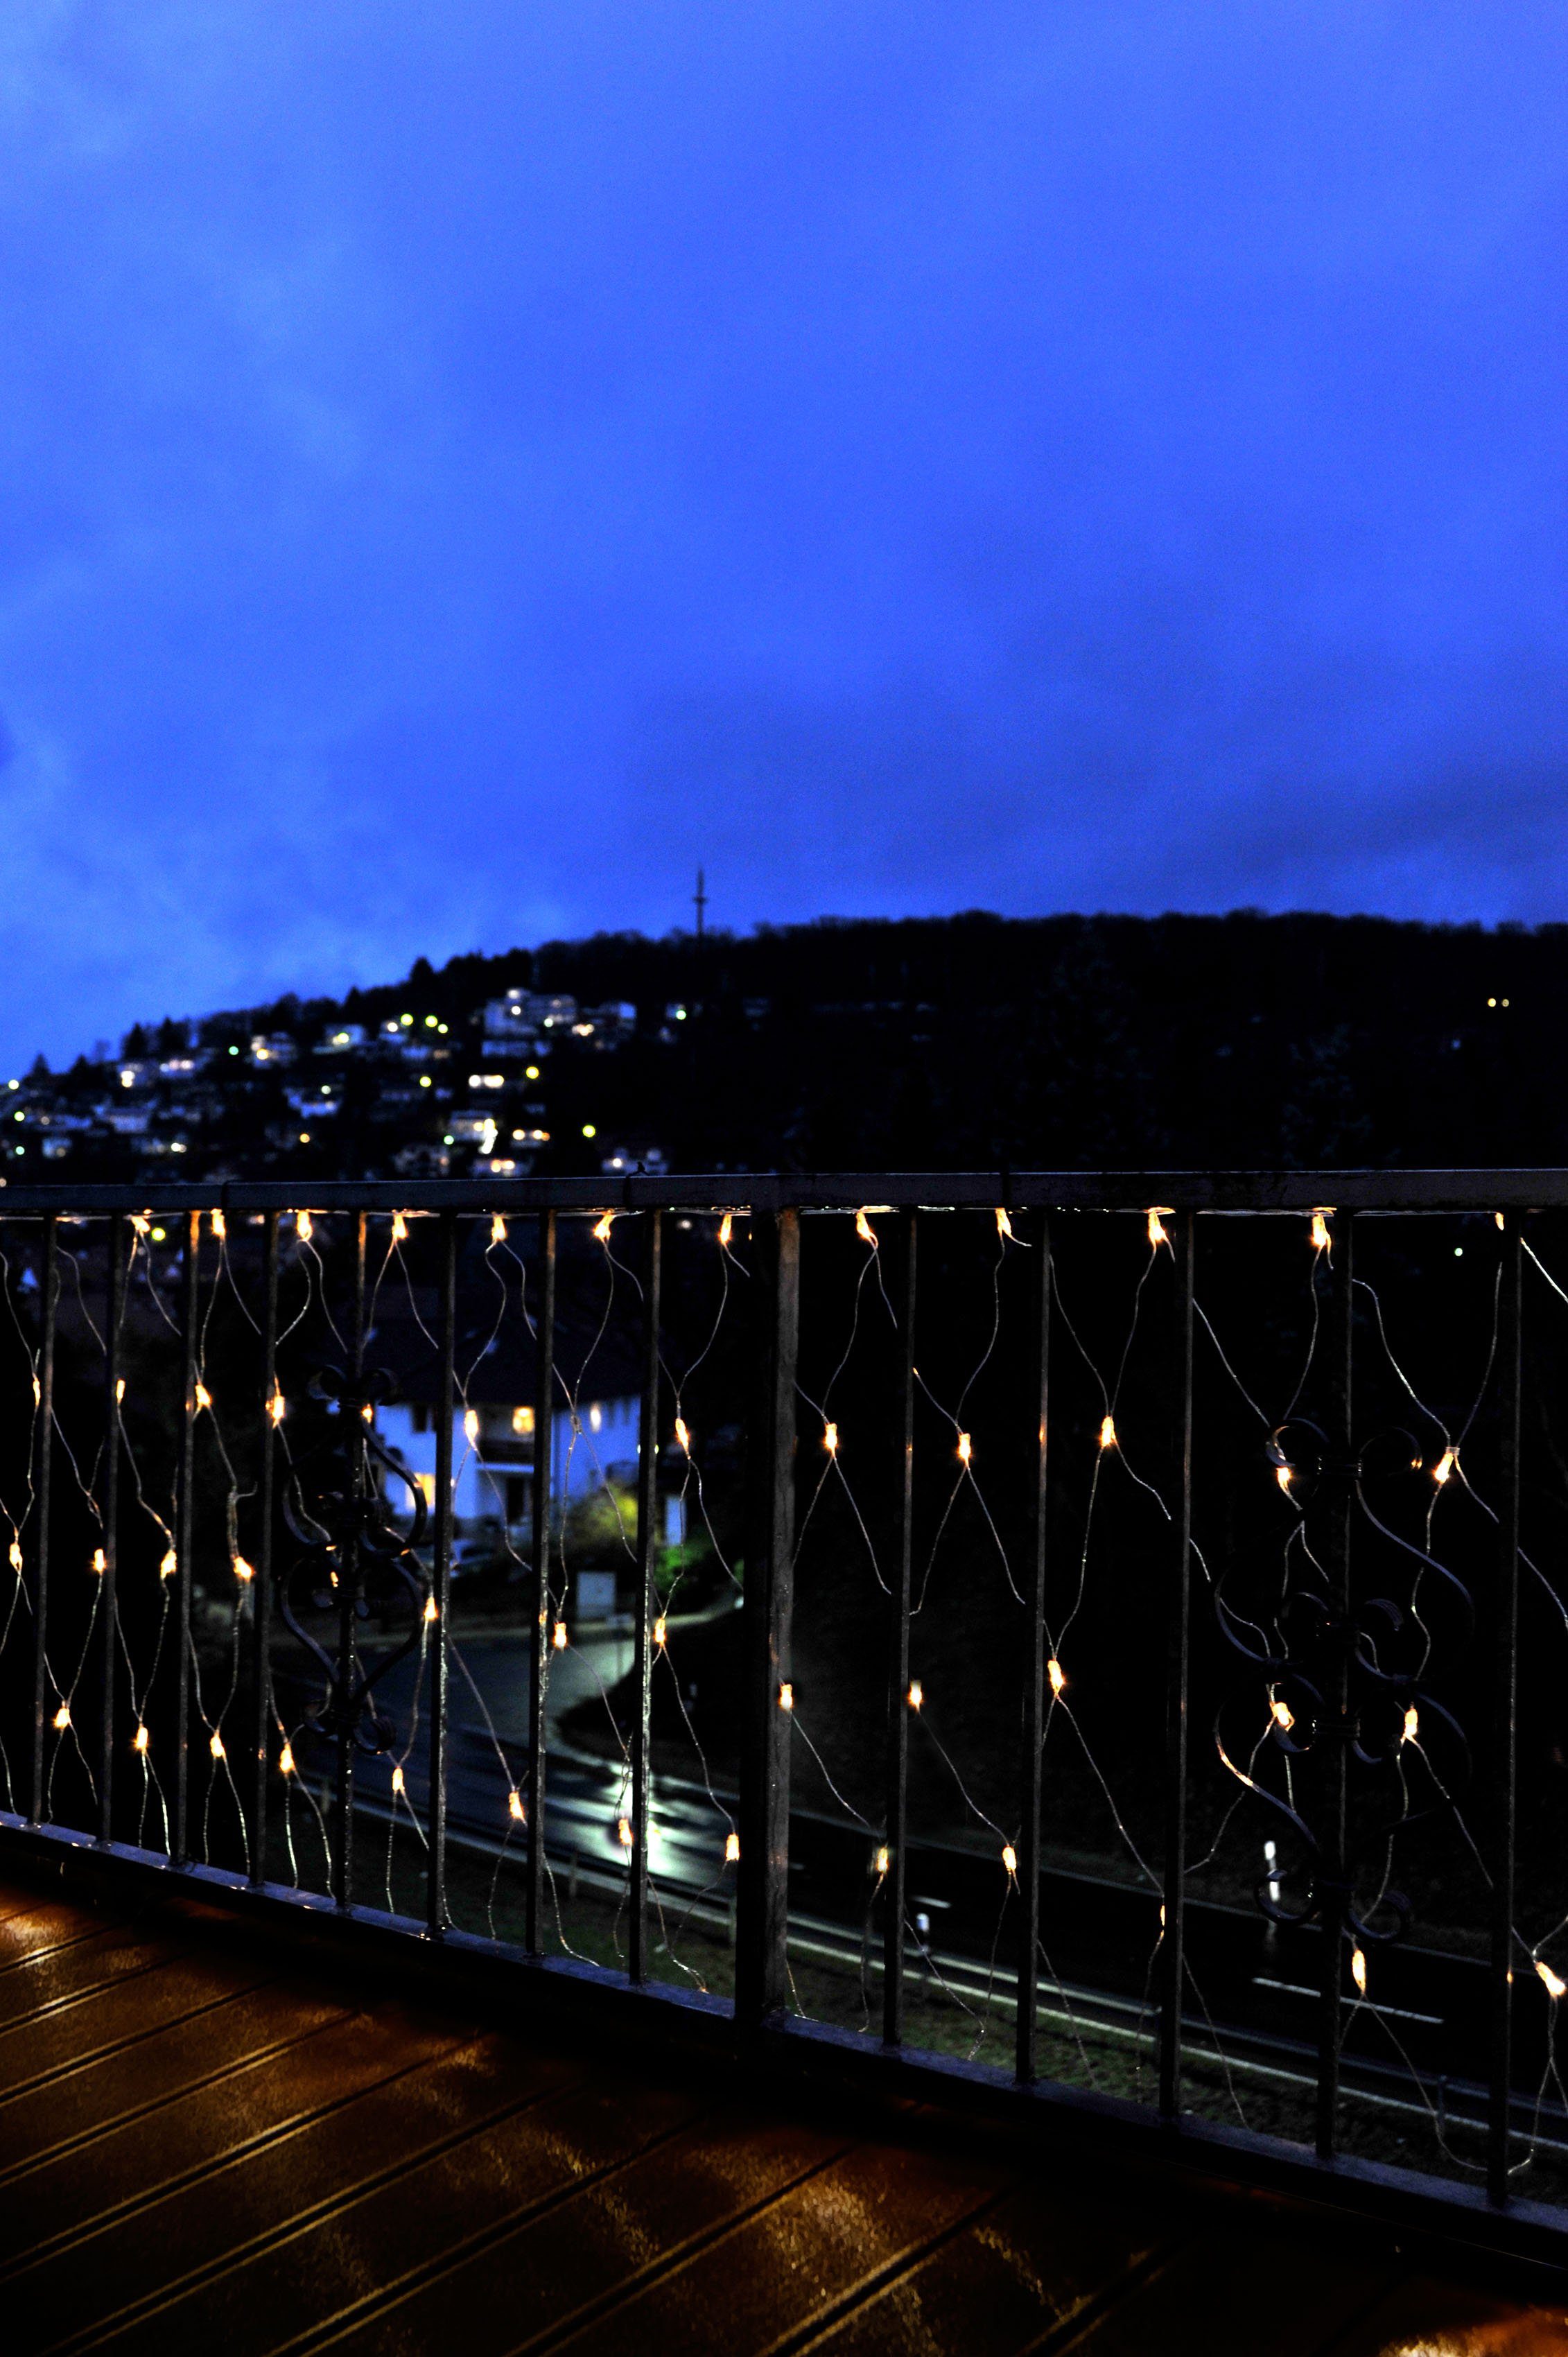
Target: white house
[492, 1454]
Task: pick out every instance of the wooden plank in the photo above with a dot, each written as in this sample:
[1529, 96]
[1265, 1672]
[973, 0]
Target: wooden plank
[1029, 2264]
[56, 1976]
[299, 2280]
[797, 2260]
[139, 2082]
[546, 2276]
[64, 2038]
[1423, 2318]
[1251, 2292]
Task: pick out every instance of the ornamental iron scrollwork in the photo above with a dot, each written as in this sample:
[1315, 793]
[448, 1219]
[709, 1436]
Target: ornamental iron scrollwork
[1380, 1648]
[353, 1551]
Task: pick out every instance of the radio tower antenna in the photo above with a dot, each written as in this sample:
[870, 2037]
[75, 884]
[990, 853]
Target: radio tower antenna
[700, 898]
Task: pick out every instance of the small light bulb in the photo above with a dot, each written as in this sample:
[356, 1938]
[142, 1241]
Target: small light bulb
[965, 1449]
[302, 1227]
[786, 1696]
[660, 1631]
[399, 1229]
[1358, 1970]
[119, 1391]
[732, 1849]
[169, 1565]
[559, 1638]
[397, 1783]
[216, 1746]
[140, 1739]
[884, 1859]
[1443, 1467]
[514, 1807]
[62, 1716]
[1010, 1857]
[37, 1393]
[1054, 1672]
[242, 1570]
[1107, 1432]
[203, 1397]
[1412, 1725]
[1004, 1224]
[916, 1694]
[602, 1226]
[1158, 1235]
[1553, 1983]
[285, 1761]
[1282, 1476]
[1499, 1220]
[1320, 1237]
[727, 1230]
[471, 1426]
[100, 1561]
[865, 1231]
[831, 1438]
[16, 1555]
[624, 1830]
[1282, 1714]
[275, 1405]
[430, 1611]
[498, 1230]
[220, 1226]
[683, 1435]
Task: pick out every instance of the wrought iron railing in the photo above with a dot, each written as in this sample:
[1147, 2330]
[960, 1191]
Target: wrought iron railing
[1134, 1651]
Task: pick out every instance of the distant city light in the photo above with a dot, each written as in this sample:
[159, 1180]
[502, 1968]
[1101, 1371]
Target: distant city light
[590, 1129]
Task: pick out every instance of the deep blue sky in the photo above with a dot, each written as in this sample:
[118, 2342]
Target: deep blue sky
[462, 465]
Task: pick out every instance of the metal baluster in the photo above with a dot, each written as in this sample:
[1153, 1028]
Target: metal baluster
[895, 1892]
[646, 1507]
[1335, 1732]
[1505, 1734]
[347, 1585]
[261, 1630]
[437, 1916]
[1035, 1684]
[107, 1599]
[539, 1664]
[1173, 1911]
[41, 1507]
[184, 1522]
[762, 1919]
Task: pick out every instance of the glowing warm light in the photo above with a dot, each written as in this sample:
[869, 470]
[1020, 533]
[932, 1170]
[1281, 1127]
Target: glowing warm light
[397, 1782]
[367, 1413]
[37, 1393]
[62, 1716]
[1412, 1725]
[203, 1397]
[683, 1435]
[865, 1231]
[99, 1560]
[140, 1223]
[514, 1807]
[786, 1696]
[1553, 1983]
[732, 1848]
[1320, 1237]
[302, 1227]
[1443, 1467]
[216, 1746]
[430, 1611]
[169, 1565]
[285, 1761]
[916, 1694]
[590, 1129]
[1282, 1714]
[400, 1229]
[727, 1230]
[220, 1226]
[243, 1570]
[965, 1449]
[16, 1555]
[1107, 1432]
[1157, 1235]
[624, 1830]
[660, 1631]
[1004, 1224]
[602, 1226]
[1282, 1476]
[831, 1438]
[275, 1405]
[498, 1230]
[1055, 1672]
[471, 1426]
[140, 1740]
[1358, 1970]
[1009, 1858]
[120, 1391]
[884, 1860]
[1498, 1221]
[558, 1638]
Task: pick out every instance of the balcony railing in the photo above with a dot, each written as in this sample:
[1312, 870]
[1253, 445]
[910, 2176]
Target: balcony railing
[1091, 1642]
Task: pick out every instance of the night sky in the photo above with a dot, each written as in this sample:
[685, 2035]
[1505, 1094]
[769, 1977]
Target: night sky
[463, 465]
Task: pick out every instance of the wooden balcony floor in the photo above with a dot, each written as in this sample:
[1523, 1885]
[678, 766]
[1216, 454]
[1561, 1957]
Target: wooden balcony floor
[203, 2152]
